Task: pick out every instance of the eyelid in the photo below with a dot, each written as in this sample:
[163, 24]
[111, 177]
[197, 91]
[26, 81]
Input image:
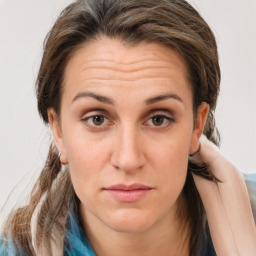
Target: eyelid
[164, 114]
[93, 113]
[170, 119]
[105, 124]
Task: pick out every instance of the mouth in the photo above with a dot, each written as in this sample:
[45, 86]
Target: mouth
[128, 193]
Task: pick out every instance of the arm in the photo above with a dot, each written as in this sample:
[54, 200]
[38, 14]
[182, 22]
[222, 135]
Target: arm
[227, 204]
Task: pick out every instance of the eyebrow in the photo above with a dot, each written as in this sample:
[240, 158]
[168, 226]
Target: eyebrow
[109, 101]
[163, 97]
[98, 97]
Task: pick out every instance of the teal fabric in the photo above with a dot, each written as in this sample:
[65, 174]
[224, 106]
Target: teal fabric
[251, 182]
[7, 248]
[76, 242]
[78, 245]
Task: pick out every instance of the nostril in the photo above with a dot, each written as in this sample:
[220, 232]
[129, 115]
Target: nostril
[128, 151]
[127, 162]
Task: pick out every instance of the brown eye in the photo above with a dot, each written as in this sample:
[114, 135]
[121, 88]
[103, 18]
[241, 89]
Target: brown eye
[98, 120]
[158, 120]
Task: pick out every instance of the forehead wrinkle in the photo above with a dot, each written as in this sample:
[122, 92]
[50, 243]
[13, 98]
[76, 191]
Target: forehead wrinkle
[149, 64]
[125, 61]
[97, 82]
[104, 72]
[126, 68]
[157, 75]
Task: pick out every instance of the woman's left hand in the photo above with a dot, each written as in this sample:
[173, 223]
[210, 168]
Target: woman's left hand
[226, 203]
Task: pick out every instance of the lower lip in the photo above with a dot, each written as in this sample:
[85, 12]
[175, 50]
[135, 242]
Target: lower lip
[128, 196]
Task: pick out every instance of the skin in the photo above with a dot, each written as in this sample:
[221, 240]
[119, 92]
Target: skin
[127, 145]
[227, 204]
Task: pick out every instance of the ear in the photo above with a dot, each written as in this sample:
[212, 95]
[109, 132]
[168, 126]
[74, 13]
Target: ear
[57, 135]
[201, 118]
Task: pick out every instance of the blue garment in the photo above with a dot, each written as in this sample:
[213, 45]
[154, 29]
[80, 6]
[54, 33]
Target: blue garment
[78, 245]
[251, 182]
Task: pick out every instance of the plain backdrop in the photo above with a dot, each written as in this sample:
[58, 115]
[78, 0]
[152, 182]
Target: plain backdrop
[24, 139]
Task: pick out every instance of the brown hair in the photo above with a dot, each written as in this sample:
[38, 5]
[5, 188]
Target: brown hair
[173, 23]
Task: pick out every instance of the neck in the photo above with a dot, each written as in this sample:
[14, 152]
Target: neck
[170, 236]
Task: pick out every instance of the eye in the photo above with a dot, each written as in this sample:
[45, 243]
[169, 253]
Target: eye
[160, 120]
[96, 120]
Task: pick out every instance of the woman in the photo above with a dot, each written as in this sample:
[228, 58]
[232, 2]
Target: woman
[128, 88]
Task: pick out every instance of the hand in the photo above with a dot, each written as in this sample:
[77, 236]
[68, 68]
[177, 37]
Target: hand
[227, 204]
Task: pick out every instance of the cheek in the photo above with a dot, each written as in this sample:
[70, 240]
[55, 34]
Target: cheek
[84, 151]
[84, 166]
[172, 152]
[86, 159]
[171, 161]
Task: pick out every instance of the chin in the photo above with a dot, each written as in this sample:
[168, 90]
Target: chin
[130, 221]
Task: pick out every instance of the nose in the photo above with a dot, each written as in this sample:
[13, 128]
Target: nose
[128, 154]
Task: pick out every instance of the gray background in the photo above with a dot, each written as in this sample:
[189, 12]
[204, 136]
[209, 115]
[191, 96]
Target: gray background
[23, 138]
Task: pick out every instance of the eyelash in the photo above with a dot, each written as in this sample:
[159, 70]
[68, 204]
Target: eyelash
[89, 119]
[166, 119]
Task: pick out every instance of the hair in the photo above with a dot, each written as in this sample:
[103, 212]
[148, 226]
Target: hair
[39, 227]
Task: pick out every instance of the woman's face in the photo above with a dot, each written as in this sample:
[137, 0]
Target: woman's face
[126, 130]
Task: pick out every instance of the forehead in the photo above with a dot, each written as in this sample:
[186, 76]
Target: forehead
[106, 52]
[109, 63]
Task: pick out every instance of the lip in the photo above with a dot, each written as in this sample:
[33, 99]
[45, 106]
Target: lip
[128, 193]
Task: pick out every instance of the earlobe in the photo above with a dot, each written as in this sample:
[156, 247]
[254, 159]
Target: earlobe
[201, 118]
[57, 135]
